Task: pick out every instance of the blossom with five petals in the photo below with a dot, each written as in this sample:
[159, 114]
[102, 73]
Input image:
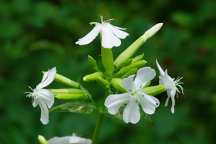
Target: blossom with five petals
[134, 96]
[110, 34]
[172, 85]
[43, 97]
[69, 140]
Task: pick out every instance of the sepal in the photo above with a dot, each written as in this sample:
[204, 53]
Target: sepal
[154, 90]
[93, 63]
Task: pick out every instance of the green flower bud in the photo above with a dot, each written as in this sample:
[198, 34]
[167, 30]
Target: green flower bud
[116, 83]
[152, 31]
[72, 91]
[138, 64]
[42, 140]
[107, 60]
[130, 72]
[66, 81]
[102, 81]
[132, 49]
[137, 58]
[92, 77]
[129, 52]
[154, 90]
[69, 96]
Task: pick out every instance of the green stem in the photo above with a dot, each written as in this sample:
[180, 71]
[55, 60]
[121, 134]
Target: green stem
[97, 128]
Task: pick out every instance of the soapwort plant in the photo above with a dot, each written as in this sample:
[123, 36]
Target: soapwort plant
[126, 79]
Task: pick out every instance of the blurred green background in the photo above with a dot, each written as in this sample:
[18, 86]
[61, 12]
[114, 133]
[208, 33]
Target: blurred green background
[36, 35]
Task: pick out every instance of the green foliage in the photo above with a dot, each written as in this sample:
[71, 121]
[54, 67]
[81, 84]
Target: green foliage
[37, 35]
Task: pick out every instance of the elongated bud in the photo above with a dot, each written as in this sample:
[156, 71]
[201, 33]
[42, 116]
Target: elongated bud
[42, 140]
[137, 58]
[116, 83]
[69, 96]
[102, 81]
[92, 77]
[107, 60]
[71, 91]
[66, 81]
[138, 64]
[132, 49]
[154, 90]
[152, 31]
[129, 52]
[130, 72]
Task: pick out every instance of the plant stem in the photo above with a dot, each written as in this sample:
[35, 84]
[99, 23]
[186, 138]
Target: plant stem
[97, 128]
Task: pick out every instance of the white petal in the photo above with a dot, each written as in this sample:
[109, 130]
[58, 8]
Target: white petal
[34, 103]
[59, 140]
[116, 31]
[78, 140]
[46, 96]
[48, 77]
[167, 100]
[149, 103]
[91, 35]
[159, 68]
[131, 112]
[172, 95]
[128, 83]
[44, 113]
[114, 102]
[109, 40]
[143, 76]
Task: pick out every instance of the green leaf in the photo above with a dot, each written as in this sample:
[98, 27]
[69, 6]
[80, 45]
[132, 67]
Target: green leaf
[75, 107]
[93, 63]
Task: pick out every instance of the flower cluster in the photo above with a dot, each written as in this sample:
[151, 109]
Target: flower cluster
[126, 80]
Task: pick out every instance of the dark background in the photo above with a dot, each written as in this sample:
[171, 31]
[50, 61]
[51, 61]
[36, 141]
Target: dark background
[36, 35]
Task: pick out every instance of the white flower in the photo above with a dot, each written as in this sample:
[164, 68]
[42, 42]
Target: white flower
[69, 140]
[134, 96]
[110, 34]
[172, 85]
[43, 97]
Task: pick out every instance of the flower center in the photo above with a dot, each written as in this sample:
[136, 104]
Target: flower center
[133, 93]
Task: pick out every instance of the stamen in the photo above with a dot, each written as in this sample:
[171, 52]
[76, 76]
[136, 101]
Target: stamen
[107, 21]
[31, 88]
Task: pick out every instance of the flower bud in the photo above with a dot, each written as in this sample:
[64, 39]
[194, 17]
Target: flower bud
[102, 81]
[42, 140]
[138, 64]
[66, 81]
[132, 49]
[92, 77]
[130, 72]
[152, 31]
[154, 90]
[137, 58]
[129, 52]
[116, 83]
[72, 91]
[69, 96]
